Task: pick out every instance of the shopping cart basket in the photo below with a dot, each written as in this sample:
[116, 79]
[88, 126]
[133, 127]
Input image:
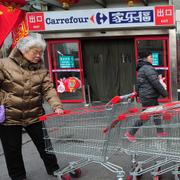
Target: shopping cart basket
[163, 146]
[79, 133]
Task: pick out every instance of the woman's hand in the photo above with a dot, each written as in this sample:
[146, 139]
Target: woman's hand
[59, 111]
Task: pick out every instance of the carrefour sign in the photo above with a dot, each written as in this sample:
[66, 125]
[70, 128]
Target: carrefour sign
[101, 18]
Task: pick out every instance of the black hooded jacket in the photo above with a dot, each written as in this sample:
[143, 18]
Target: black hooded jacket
[148, 86]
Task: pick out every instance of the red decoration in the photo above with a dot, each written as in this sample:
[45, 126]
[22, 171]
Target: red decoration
[70, 84]
[19, 32]
[9, 21]
[13, 4]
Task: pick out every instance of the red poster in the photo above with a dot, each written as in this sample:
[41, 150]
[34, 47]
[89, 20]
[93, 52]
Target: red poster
[35, 21]
[164, 15]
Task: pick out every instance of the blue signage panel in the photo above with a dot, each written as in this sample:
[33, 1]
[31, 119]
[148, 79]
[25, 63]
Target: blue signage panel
[141, 16]
[66, 61]
[155, 57]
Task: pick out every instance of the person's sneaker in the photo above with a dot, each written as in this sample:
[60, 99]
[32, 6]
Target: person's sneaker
[162, 134]
[130, 137]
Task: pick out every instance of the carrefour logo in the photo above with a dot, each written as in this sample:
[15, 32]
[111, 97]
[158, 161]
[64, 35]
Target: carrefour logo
[99, 17]
[67, 20]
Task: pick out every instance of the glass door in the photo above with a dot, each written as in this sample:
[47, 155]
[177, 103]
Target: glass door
[159, 46]
[66, 69]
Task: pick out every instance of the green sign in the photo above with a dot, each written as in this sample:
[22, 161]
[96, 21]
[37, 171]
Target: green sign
[155, 57]
[66, 61]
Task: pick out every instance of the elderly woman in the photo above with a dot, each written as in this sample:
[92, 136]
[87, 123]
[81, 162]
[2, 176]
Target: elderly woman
[24, 82]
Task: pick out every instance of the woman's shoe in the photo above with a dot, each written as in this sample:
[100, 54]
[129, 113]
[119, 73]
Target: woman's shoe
[130, 137]
[162, 134]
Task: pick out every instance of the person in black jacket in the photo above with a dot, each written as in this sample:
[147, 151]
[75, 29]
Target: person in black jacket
[148, 88]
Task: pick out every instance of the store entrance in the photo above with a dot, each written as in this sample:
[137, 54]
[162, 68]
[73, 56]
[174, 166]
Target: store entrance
[109, 67]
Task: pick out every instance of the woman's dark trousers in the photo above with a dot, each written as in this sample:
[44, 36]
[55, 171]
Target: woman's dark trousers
[11, 138]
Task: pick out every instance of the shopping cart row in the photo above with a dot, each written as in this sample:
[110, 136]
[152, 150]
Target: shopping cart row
[94, 134]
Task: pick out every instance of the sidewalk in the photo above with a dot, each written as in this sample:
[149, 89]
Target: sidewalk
[36, 171]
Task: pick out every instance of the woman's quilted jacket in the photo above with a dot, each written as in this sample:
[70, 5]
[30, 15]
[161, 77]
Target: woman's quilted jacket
[23, 87]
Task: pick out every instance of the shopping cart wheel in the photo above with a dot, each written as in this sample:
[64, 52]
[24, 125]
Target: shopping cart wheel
[156, 178]
[65, 177]
[132, 178]
[178, 175]
[133, 169]
[76, 173]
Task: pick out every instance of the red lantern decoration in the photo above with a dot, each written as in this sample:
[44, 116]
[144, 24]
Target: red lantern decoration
[66, 3]
[13, 4]
[70, 85]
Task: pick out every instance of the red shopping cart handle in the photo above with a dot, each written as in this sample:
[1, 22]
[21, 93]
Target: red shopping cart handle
[44, 117]
[118, 99]
[114, 122]
[76, 111]
[172, 105]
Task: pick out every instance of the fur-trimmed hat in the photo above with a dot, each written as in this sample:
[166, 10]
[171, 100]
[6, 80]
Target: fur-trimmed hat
[30, 41]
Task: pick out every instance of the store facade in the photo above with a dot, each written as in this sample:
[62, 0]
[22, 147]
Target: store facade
[92, 54]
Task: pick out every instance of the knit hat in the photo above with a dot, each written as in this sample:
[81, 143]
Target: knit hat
[30, 41]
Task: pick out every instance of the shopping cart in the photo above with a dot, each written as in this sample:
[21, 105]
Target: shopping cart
[80, 133]
[164, 150]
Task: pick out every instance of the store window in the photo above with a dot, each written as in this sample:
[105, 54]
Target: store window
[66, 69]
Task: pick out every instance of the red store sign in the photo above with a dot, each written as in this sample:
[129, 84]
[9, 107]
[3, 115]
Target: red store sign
[36, 21]
[164, 15]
